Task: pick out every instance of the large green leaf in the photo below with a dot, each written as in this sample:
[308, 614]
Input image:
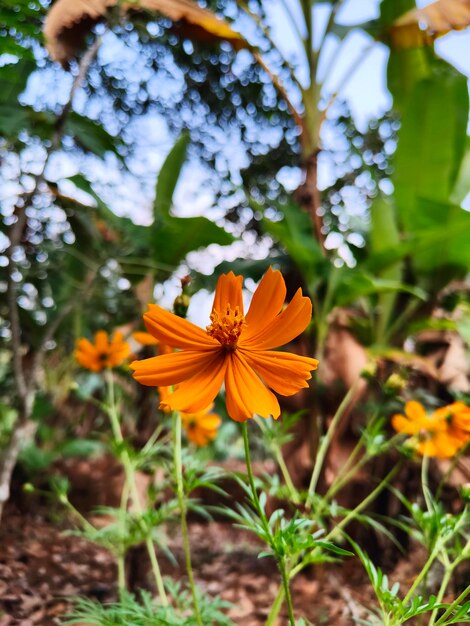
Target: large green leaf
[168, 178]
[15, 118]
[428, 240]
[13, 80]
[462, 185]
[294, 233]
[354, 284]
[384, 234]
[91, 136]
[171, 238]
[431, 143]
[133, 237]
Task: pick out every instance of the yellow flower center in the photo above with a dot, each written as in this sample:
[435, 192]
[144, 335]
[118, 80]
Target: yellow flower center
[227, 327]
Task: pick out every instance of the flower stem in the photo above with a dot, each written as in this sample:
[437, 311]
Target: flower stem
[182, 506]
[362, 505]
[454, 604]
[442, 589]
[276, 607]
[131, 482]
[326, 440]
[425, 483]
[280, 560]
[419, 578]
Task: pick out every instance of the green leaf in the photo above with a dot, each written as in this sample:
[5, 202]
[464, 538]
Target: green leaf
[354, 284]
[168, 177]
[383, 235]
[294, 232]
[172, 238]
[431, 143]
[13, 79]
[462, 185]
[331, 547]
[91, 136]
[178, 236]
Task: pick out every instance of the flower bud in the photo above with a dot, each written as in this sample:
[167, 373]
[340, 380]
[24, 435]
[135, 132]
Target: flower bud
[394, 384]
[181, 304]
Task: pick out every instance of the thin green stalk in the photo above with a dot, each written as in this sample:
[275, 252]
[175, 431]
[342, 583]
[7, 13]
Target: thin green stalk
[423, 573]
[351, 515]
[450, 470]
[454, 604]
[362, 505]
[326, 440]
[264, 521]
[182, 506]
[276, 449]
[425, 483]
[343, 478]
[442, 589]
[293, 493]
[121, 556]
[287, 593]
[276, 607]
[130, 478]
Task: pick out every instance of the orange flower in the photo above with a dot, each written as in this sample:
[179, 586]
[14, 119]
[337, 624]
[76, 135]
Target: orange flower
[103, 353]
[441, 434]
[201, 427]
[234, 349]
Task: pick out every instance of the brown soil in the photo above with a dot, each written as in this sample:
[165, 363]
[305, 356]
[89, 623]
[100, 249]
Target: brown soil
[42, 568]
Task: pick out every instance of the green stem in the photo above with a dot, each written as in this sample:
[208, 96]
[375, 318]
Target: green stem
[121, 556]
[293, 493]
[280, 560]
[454, 604]
[130, 478]
[182, 506]
[276, 607]
[326, 440]
[350, 516]
[421, 575]
[287, 593]
[442, 589]
[362, 505]
[425, 483]
[450, 470]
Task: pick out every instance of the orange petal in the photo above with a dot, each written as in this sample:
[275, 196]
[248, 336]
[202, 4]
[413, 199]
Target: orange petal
[145, 339]
[284, 327]
[211, 421]
[403, 425]
[85, 346]
[284, 372]
[245, 392]
[198, 392]
[266, 303]
[228, 292]
[101, 341]
[176, 331]
[415, 411]
[171, 369]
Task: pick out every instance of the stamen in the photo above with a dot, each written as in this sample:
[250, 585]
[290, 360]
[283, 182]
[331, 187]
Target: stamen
[226, 327]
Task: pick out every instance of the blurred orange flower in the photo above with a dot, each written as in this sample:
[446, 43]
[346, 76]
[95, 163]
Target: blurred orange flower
[441, 434]
[103, 352]
[235, 349]
[201, 427]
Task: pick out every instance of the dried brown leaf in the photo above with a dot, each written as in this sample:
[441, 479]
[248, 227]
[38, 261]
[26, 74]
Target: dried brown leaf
[69, 21]
[420, 27]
